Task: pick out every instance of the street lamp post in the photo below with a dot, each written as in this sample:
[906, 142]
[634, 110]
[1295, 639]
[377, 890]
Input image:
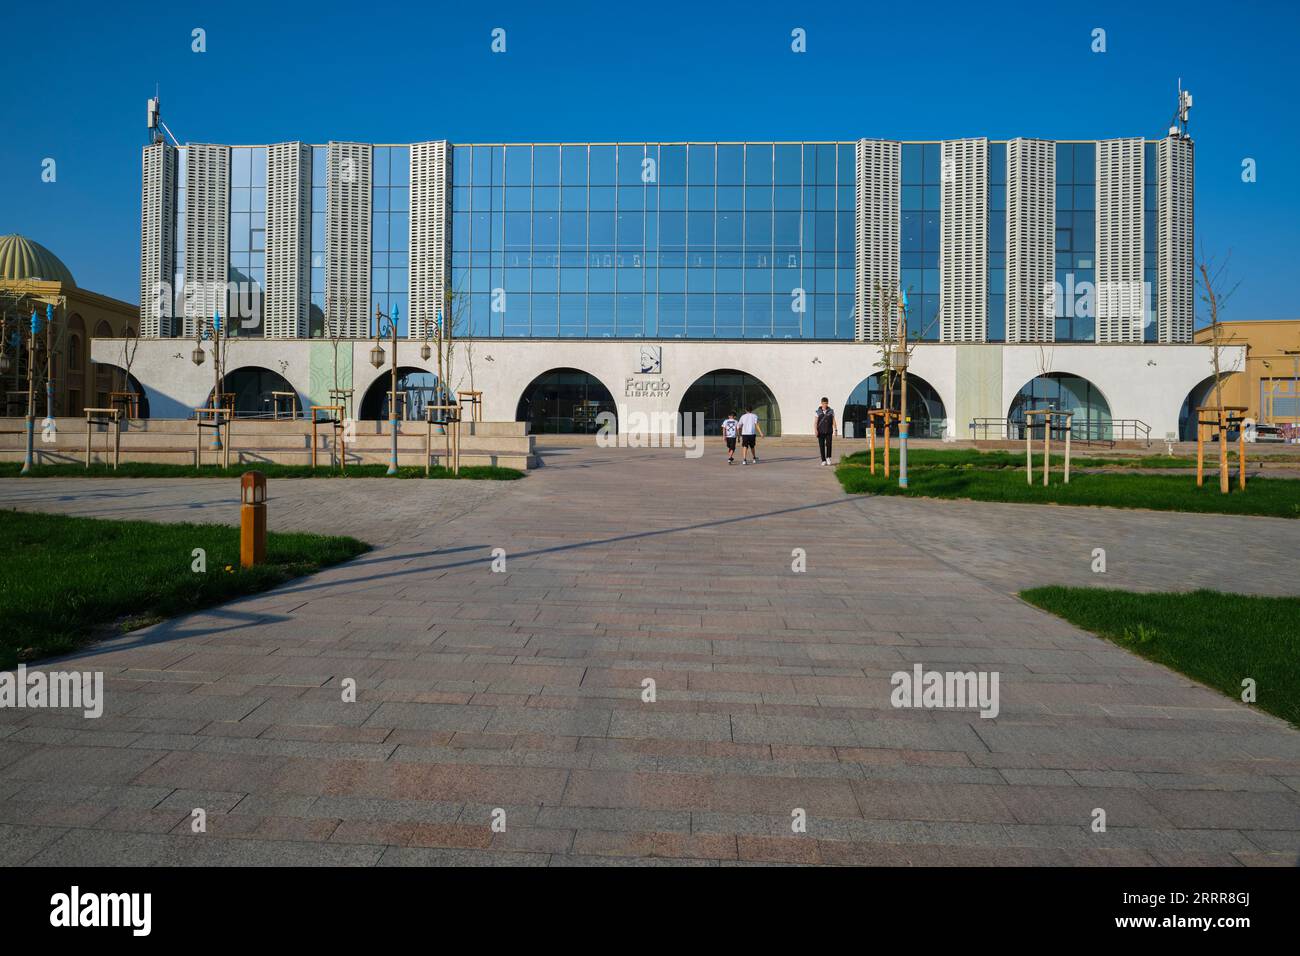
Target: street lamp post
[30, 421]
[902, 401]
[377, 360]
[197, 357]
[218, 399]
[49, 361]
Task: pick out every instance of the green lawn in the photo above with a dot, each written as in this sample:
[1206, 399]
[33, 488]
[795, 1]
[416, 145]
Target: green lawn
[64, 580]
[1217, 639]
[1000, 476]
[136, 469]
[970, 457]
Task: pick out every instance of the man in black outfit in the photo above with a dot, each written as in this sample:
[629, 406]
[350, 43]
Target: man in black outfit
[824, 426]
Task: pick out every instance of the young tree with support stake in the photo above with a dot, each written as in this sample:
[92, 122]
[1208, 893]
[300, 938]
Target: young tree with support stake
[1212, 278]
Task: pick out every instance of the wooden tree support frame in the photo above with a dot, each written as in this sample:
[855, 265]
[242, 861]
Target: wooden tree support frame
[447, 416]
[105, 416]
[341, 398]
[128, 403]
[218, 420]
[340, 443]
[1048, 414]
[1225, 416]
[890, 417]
[291, 398]
[475, 401]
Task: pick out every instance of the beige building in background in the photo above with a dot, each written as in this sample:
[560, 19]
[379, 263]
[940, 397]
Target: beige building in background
[31, 277]
[1269, 383]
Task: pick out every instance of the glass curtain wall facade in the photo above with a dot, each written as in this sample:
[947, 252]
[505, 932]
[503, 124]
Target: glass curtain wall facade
[673, 240]
[1150, 249]
[390, 232]
[247, 239]
[997, 267]
[1076, 240]
[319, 184]
[919, 201]
[695, 240]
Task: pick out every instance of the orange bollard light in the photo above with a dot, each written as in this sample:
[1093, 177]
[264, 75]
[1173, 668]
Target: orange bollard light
[252, 519]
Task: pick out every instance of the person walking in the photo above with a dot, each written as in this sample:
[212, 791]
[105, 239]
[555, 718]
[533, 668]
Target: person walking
[824, 427]
[750, 430]
[729, 429]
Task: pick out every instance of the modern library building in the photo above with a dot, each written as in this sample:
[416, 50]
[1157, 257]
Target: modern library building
[653, 279]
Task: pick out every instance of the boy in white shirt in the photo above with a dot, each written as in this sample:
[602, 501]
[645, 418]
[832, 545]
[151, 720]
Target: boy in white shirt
[750, 430]
[729, 429]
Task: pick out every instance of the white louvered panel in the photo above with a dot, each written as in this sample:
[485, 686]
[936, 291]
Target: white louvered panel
[1031, 240]
[1175, 244]
[876, 227]
[288, 240]
[157, 240]
[347, 239]
[963, 241]
[1119, 240]
[430, 236]
[207, 232]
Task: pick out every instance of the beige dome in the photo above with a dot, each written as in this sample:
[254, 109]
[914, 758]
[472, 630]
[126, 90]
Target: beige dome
[20, 259]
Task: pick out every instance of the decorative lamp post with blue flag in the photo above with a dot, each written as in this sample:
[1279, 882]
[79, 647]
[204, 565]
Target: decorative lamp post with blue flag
[217, 397]
[197, 357]
[377, 360]
[901, 359]
[30, 422]
[49, 365]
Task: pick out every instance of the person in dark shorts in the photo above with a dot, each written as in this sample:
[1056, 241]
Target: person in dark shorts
[824, 426]
[730, 428]
[750, 430]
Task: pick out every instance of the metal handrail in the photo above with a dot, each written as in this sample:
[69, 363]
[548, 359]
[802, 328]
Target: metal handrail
[1109, 431]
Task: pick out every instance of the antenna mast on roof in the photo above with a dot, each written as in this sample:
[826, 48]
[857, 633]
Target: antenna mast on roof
[1178, 125]
[156, 124]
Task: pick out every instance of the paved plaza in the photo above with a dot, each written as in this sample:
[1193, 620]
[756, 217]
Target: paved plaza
[520, 694]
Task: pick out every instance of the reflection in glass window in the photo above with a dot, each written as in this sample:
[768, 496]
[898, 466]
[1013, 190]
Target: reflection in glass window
[631, 229]
[1063, 392]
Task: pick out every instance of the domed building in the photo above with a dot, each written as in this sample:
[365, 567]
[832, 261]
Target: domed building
[32, 277]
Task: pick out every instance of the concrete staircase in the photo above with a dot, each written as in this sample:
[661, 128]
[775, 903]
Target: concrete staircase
[252, 441]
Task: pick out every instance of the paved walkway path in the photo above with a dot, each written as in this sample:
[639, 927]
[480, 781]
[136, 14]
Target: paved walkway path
[521, 691]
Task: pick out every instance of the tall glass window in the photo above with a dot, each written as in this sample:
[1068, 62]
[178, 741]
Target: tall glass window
[1150, 173]
[1076, 241]
[698, 240]
[997, 239]
[390, 231]
[247, 268]
[920, 202]
[319, 181]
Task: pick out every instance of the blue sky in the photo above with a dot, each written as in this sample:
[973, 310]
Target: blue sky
[76, 88]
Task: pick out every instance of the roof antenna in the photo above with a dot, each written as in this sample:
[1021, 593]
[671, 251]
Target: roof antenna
[156, 120]
[1178, 125]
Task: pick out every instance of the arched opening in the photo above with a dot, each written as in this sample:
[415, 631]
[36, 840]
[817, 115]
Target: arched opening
[718, 393]
[1201, 395]
[107, 378]
[1067, 393]
[252, 387]
[564, 401]
[416, 387]
[142, 397]
[132, 385]
[925, 408]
